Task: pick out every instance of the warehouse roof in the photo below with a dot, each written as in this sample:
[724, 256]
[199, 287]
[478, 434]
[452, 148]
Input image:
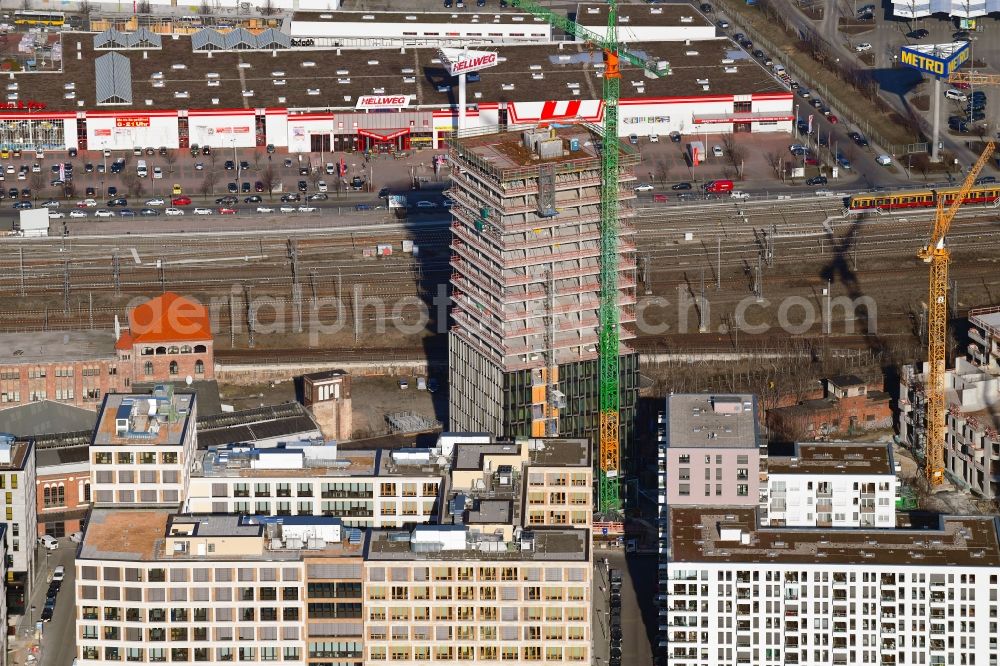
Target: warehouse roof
[654, 15]
[375, 18]
[179, 78]
[56, 347]
[727, 535]
[46, 417]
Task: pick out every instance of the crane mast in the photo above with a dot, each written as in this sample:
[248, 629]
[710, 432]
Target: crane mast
[937, 255]
[609, 491]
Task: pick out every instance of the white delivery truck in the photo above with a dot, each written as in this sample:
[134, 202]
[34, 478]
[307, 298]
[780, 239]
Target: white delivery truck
[32, 223]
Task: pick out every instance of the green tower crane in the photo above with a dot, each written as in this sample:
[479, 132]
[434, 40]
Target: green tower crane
[609, 491]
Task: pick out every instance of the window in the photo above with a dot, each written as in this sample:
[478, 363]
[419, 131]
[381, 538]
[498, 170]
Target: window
[173, 368]
[684, 489]
[147, 368]
[199, 367]
[742, 489]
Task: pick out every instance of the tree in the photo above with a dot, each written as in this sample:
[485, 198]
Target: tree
[735, 152]
[258, 156]
[922, 163]
[37, 183]
[267, 178]
[662, 171]
[204, 8]
[171, 159]
[208, 183]
[314, 177]
[773, 159]
[133, 184]
[268, 8]
[142, 7]
[85, 8]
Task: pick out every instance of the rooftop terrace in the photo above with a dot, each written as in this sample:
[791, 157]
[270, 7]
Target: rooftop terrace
[160, 419]
[717, 534]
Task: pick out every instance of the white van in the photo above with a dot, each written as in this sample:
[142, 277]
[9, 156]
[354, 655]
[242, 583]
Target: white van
[140, 169]
[958, 95]
[49, 542]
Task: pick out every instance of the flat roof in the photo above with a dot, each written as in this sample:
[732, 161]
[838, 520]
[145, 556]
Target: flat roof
[164, 428]
[484, 18]
[565, 67]
[123, 535]
[140, 535]
[561, 452]
[988, 319]
[19, 452]
[347, 464]
[40, 347]
[549, 544]
[506, 150]
[54, 457]
[693, 422]
[653, 15]
[843, 381]
[835, 458]
[696, 536]
[46, 418]
[249, 425]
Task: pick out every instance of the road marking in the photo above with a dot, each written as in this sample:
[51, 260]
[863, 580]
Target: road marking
[135, 256]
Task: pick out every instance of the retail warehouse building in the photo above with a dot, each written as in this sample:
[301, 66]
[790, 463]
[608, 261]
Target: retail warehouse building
[120, 90]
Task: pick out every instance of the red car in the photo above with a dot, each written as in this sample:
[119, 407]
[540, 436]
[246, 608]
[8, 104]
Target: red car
[258, 186]
[833, 119]
[181, 201]
[660, 198]
[227, 211]
[962, 86]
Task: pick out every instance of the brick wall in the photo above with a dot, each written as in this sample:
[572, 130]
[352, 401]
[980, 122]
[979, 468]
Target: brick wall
[67, 507]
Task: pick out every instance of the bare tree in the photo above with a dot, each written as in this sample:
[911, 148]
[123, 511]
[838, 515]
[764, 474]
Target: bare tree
[922, 163]
[208, 183]
[85, 8]
[662, 171]
[258, 157]
[37, 183]
[735, 152]
[142, 7]
[171, 159]
[204, 8]
[133, 184]
[773, 159]
[267, 179]
[314, 177]
[268, 8]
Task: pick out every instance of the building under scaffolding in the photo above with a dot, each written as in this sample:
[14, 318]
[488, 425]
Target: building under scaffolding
[526, 266]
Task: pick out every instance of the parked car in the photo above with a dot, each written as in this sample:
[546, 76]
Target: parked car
[104, 212]
[254, 198]
[59, 573]
[681, 186]
[149, 212]
[181, 201]
[917, 34]
[862, 47]
[174, 211]
[644, 187]
[817, 180]
[202, 211]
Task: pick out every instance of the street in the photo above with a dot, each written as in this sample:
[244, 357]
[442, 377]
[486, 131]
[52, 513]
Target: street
[639, 624]
[58, 639]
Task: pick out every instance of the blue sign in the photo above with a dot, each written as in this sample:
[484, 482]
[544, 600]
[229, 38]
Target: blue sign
[939, 60]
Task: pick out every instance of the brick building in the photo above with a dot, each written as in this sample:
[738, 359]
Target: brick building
[62, 480]
[328, 396]
[168, 339]
[848, 407]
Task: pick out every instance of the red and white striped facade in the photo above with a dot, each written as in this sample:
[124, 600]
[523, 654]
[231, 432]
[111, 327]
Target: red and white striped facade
[299, 131]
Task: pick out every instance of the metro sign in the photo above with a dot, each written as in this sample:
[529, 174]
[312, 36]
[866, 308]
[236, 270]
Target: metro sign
[383, 101]
[460, 61]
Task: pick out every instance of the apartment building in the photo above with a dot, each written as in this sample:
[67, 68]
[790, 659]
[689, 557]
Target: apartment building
[832, 484]
[526, 259]
[153, 586]
[142, 448]
[711, 452]
[984, 339]
[494, 581]
[17, 489]
[364, 488]
[972, 442]
[499, 577]
[740, 594]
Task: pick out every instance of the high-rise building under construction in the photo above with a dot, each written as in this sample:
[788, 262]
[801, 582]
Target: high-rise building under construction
[526, 268]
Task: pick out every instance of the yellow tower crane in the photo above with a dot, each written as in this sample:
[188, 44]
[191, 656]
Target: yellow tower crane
[937, 255]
